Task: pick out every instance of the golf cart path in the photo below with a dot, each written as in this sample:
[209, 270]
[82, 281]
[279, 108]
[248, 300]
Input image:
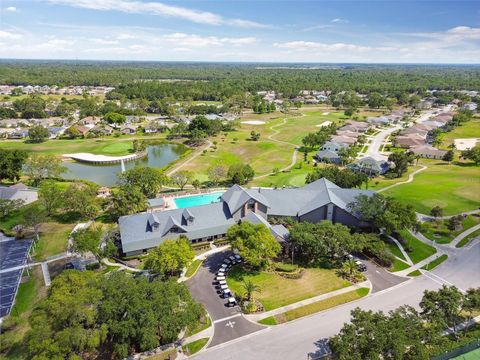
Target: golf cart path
[463, 235]
[409, 180]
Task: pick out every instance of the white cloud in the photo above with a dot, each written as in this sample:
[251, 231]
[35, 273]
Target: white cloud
[9, 35]
[103, 41]
[317, 27]
[312, 45]
[11, 9]
[339, 20]
[157, 8]
[196, 41]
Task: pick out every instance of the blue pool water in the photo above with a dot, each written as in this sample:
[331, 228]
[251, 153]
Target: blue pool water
[195, 200]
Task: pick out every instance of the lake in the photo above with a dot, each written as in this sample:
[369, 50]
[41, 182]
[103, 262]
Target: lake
[158, 157]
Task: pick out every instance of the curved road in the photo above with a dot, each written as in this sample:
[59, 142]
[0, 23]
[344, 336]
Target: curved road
[297, 339]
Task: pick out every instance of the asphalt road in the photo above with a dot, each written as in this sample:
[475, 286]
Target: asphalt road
[229, 322]
[380, 278]
[295, 340]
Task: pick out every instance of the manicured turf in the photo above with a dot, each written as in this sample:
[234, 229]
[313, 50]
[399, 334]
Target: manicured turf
[277, 291]
[25, 295]
[438, 231]
[381, 182]
[395, 250]
[192, 268]
[472, 355]
[468, 238]
[417, 250]
[321, 305]
[398, 265]
[415, 273]
[195, 346]
[453, 187]
[433, 264]
[470, 129]
[268, 321]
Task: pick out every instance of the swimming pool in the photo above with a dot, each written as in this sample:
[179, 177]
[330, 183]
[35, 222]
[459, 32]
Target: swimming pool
[195, 200]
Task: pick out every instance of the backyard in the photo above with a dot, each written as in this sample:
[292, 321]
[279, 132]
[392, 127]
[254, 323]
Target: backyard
[277, 291]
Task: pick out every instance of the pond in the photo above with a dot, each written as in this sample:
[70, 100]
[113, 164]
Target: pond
[158, 157]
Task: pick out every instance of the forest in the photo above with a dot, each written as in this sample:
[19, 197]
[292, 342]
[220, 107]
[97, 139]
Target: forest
[217, 81]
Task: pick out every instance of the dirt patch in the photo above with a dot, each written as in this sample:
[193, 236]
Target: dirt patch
[253, 122]
[464, 144]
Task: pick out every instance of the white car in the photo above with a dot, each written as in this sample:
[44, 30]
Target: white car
[218, 278]
[233, 258]
[238, 257]
[224, 287]
[220, 273]
[232, 301]
[222, 282]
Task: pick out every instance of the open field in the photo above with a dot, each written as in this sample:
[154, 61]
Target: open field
[454, 187]
[277, 291]
[470, 129]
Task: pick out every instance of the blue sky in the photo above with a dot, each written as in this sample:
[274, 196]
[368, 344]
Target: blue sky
[228, 30]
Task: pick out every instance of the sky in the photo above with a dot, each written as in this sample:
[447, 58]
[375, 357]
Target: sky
[247, 30]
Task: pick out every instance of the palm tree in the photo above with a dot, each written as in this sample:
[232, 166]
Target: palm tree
[350, 267]
[250, 287]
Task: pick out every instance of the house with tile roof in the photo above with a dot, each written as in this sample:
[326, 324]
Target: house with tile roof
[319, 200]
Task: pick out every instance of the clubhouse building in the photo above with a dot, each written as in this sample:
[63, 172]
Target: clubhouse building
[319, 200]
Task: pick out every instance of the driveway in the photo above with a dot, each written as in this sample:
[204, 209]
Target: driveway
[229, 322]
[380, 278]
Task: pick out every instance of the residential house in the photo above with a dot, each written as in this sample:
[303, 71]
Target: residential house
[470, 106]
[90, 121]
[409, 140]
[370, 166]
[344, 139]
[19, 192]
[328, 156]
[82, 129]
[319, 200]
[128, 130]
[333, 146]
[428, 151]
[18, 134]
[348, 133]
[379, 120]
[102, 130]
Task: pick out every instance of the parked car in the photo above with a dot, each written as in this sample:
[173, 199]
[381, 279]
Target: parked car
[238, 257]
[233, 258]
[226, 293]
[361, 266]
[224, 287]
[218, 278]
[227, 261]
[232, 301]
[220, 273]
[222, 282]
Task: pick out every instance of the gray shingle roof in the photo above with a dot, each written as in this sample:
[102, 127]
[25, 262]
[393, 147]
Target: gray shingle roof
[156, 202]
[236, 197]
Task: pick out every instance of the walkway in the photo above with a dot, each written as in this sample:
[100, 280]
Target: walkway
[424, 217]
[295, 150]
[402, 250]
[409, 180]
[46, 274]
[93, 158]
[281, 310]
[189, 160]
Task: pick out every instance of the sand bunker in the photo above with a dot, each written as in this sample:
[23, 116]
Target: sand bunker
[325, 123]
[464, 144]
[325, 113]
[253, 122]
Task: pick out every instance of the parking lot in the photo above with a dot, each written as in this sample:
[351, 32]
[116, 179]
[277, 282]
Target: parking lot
[228, 321]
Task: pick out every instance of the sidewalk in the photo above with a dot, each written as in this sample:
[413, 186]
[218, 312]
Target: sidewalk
[402, 250]
[463, 235]
[280, 310]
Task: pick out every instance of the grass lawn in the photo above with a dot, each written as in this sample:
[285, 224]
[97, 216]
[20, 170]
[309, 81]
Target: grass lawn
[433, 264]
[192, 268]
[439, 232]
[415, 273]
[417, 250]
[53, 239]
[169, 354]
[395, 250]
[277, 291]
[320, 306]
[454, 187]
[470, 129]
[268, 321]
[399, 265]
[381, 182]
[294, 177]
[195, 346]
[468, 238]
[29, 294]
